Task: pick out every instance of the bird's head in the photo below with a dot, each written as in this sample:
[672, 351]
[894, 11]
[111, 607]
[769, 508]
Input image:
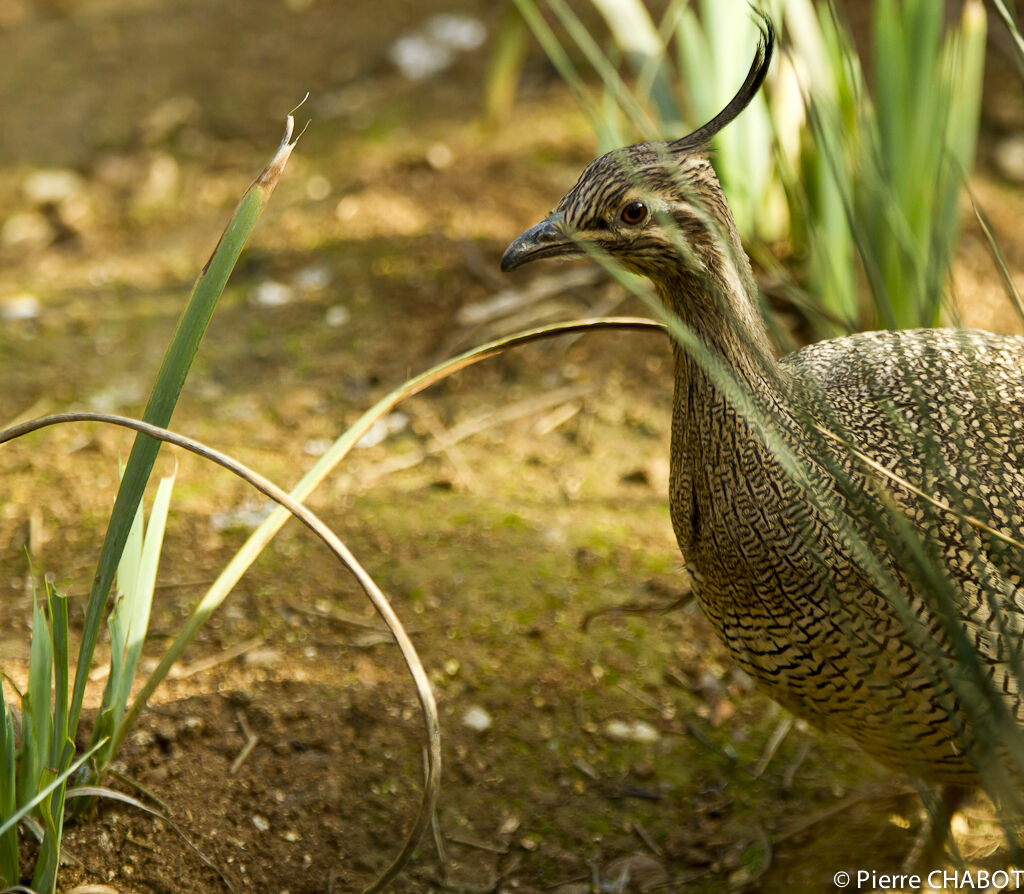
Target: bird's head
[653, 207]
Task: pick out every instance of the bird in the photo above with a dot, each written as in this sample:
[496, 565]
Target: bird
[851, 514]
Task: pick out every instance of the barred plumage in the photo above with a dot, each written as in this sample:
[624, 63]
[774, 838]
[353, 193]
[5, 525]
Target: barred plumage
[778, 498]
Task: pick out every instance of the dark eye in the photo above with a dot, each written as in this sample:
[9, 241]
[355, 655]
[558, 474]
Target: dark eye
[634, 213]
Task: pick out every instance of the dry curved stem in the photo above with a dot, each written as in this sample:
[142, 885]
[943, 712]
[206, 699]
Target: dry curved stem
[293, 506]
[373, 592]
[259, 538]
[638, 608]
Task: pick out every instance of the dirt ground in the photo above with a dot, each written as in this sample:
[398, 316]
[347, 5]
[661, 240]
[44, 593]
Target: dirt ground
[287, 746]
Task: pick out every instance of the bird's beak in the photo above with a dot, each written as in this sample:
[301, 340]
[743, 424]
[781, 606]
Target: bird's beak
[544, 240]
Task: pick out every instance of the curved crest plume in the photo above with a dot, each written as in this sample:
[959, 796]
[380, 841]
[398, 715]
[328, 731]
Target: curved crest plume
[755, 77]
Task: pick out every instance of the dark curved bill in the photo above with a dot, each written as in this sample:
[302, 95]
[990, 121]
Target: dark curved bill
[541, 241]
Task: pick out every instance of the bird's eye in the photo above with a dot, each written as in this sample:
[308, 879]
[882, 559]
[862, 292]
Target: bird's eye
[634, 213]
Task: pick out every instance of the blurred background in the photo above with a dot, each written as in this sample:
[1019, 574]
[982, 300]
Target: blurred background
[503, 506]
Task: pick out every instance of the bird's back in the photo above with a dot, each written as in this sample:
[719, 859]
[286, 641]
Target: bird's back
[942, 411]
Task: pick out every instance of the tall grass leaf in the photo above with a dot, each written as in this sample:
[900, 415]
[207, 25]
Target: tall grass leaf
[11, 821]
[62, 749]
[36, 706]
[657, 79]
[61, 746]
[693, 60]
[646, 52]
[1010, 20]
[650, 123]
[606, 70]
[710, 68]
[9, 871]
[505, 66]
[170, 380]
[560, 59]
[1009, 286]
[129, 620]
[815, 163]
[964, 64]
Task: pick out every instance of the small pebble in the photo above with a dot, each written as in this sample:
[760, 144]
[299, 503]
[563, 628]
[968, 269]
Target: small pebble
[337, 315]
[417, 57]
[347, 208]
[263, 657]
[634, 731]
[272, 294]
[1009, 157]
[476, 719]
[317, 446]
[391, 424]
[462, 33]
[439, 156]
[51, 186]
[162, 180]
[313, 277]
[420, 54]
[248, 515]
[169, 117]
[27, 229]
[20, 307]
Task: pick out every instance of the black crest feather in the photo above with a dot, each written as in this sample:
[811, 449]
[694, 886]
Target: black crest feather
[755, 77]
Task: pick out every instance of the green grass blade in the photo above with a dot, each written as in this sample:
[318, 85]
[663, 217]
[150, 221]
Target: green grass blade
[170, 379]
[131, 555]
[8, 794]
[62, 749]
[560, 59]
[40, 796]
[60, 745]
[607, 72]
[37, 719]
[1010, 20]
[1009, 286]
[505, 66]
[646, 50]
[138, 619]
[129, 619]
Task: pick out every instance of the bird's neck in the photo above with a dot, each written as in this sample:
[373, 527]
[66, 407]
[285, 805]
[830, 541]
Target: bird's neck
[717, 305]
[711, 427]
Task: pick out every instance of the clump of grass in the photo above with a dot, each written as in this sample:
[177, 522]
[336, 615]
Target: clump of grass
[34, 771]
[862, 180]
[29, 777]
[908, 153]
